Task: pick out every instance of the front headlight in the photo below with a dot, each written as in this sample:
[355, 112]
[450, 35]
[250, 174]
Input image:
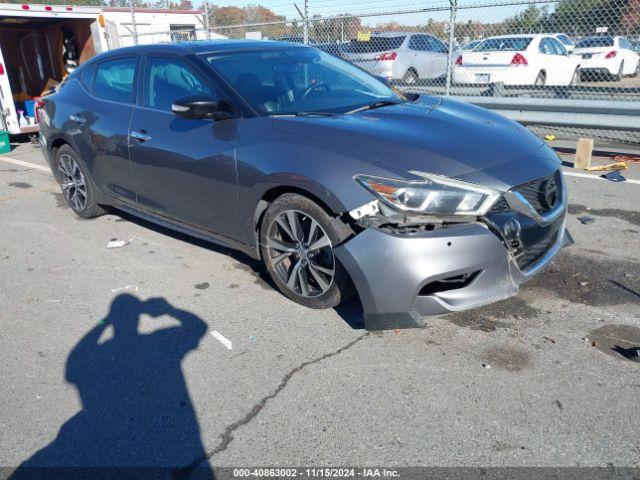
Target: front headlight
[434, 195]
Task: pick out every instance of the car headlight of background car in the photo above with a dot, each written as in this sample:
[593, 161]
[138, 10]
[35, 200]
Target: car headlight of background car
[435, 195]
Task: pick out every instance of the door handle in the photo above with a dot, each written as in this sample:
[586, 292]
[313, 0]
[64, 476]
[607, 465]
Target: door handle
[77, 119]
[143, 137]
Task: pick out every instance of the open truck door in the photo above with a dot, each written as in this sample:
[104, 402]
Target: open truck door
[39, 46]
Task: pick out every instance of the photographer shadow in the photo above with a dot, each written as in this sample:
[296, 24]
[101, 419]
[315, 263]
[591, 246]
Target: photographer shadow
[137, 419]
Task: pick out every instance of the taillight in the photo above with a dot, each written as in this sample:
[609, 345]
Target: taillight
[26, 7]
[519, 60]
[37, 106]
[387, 56]
[49, 8]
[611, 54]
[459, 60]
[1, 69]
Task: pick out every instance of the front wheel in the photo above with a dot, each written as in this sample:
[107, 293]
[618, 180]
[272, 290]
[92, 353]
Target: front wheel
[297, 238]
[77, 188]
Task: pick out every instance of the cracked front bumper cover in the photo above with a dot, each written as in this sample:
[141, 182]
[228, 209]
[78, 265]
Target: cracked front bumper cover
[389, 271]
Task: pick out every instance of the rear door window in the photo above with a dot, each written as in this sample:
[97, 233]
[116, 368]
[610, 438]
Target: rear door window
[114, 80]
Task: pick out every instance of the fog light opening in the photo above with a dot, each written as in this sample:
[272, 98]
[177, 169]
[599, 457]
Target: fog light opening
[450, 283]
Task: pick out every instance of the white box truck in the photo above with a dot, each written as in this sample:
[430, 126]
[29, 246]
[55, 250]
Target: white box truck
[39, 46]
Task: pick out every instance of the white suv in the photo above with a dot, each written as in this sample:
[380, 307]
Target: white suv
[406, 56]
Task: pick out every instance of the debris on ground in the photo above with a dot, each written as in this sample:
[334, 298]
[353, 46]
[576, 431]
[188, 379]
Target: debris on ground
[549, 339]
[632, 353]
[126, 287]
[608, 167]
[222, 339]
[626, 159]
[614, 177]
[201, 286]
[252, 339]
[583, 284]
[115, 243]
[551, 137]
[586, 219]
[397, 331]
[486, 365]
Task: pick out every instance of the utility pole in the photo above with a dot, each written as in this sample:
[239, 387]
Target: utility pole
[452, 28]
[207, 24]
[133, 22]
[306, 21]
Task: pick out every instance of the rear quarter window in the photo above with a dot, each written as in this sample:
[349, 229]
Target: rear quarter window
[114, 80]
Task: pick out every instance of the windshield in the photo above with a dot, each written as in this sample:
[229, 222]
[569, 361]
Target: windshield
[287, 81]
[504, 44]
[595, 42]
[375, 44]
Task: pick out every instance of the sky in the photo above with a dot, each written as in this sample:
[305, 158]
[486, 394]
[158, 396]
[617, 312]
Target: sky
[335, 7]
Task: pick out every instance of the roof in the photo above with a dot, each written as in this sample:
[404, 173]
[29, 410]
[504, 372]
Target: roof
[202, 46]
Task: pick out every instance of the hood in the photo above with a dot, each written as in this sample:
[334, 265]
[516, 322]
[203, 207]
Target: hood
[443, 137]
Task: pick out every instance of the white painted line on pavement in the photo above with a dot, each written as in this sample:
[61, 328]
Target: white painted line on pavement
[222, 339]
[597, 177]
[25, 164]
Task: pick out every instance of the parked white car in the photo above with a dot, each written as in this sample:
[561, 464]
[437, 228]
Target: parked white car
[518, 60]
[607, 56]
[406, 56]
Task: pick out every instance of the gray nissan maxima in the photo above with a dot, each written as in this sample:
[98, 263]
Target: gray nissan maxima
[419, 205]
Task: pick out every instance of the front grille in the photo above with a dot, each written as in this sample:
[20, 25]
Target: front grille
[534, 193]
[532, 253]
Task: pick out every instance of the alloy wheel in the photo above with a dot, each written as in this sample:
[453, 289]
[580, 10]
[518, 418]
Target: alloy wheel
[301, 253]
[73, 183]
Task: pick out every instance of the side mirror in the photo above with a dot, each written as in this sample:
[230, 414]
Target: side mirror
[201, 106]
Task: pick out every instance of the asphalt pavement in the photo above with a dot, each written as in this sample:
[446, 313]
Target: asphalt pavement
[542, 379]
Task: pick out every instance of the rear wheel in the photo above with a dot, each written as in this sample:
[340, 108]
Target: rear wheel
[618, 76]
[410, 77]
[575, 79]
[297, 238]
[541, 79]
[77, 188]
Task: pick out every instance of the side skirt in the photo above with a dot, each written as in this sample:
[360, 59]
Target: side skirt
[189, 230]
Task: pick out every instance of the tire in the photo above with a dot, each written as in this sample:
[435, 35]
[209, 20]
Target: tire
[575, 79]
[540, 80]
[76, 184]
[292, 263]
[618, 77]
[410, 77]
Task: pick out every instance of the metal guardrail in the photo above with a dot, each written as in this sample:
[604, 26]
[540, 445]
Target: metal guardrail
[592, 114]
[500, 90]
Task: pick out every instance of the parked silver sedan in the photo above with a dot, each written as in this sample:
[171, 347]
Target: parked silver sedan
[406, 56]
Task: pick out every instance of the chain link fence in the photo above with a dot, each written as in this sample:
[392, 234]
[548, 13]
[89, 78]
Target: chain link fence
[552, 49]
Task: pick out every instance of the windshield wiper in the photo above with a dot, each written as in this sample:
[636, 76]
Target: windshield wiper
[371, 106]
[305, 114]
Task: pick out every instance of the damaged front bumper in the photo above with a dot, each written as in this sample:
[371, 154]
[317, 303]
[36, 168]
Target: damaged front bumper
[400, 278]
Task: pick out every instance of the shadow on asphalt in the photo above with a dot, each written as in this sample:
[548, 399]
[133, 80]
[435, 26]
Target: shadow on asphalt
[351, 311]
[137, 419]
